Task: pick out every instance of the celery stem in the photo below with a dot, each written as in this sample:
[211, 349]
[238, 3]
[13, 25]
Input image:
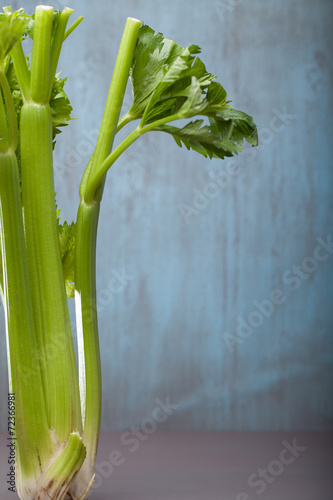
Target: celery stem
[113, 105]
[98, 176]
[4, 145]
[12, 130]
[58, 39]
[45, 271]
[72, 28]
[21, 70]
[34, 443]
[41, 50]
[87, 327]
[124, 120]
[85, 256]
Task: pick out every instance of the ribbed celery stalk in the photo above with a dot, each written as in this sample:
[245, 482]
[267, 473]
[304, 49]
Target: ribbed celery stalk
[44, 469]
[33, 440]
[49, 300]
[85, 257]
[45, 271]
[42, 364]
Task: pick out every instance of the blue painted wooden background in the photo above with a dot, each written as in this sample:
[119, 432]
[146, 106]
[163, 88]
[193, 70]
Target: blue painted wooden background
[214, 278]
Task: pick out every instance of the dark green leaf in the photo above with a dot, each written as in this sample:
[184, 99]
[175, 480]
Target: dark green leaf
[184, 80]
[153, 55]
[60, 105]
[170, 82]
[202, 139]
[234, 124]
[216, 95]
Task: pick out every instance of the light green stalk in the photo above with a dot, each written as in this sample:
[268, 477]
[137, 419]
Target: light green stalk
[33, 440]
[41, 360]
[49, 302]
[85, 258]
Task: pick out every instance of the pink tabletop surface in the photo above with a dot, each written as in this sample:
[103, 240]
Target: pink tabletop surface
[209, 466]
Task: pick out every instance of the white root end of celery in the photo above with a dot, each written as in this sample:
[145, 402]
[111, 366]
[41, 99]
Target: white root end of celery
[79, 489]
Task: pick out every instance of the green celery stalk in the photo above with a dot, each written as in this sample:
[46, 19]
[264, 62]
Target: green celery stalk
[85, 258]
[49, 300]
[34, 440]
[42, 364]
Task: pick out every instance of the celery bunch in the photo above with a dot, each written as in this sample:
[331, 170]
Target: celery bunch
[58, 408]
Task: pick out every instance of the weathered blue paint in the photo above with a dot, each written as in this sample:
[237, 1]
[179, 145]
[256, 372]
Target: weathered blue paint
[187, 285]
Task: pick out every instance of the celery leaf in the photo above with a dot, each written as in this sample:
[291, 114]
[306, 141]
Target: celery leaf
[60, 105]
[152, 56]
[171, 82]
[161, 73]
[202, 139]
[66, 235]
[12, 27]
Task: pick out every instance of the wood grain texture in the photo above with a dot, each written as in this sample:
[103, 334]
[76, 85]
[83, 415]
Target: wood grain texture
[170, 290]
